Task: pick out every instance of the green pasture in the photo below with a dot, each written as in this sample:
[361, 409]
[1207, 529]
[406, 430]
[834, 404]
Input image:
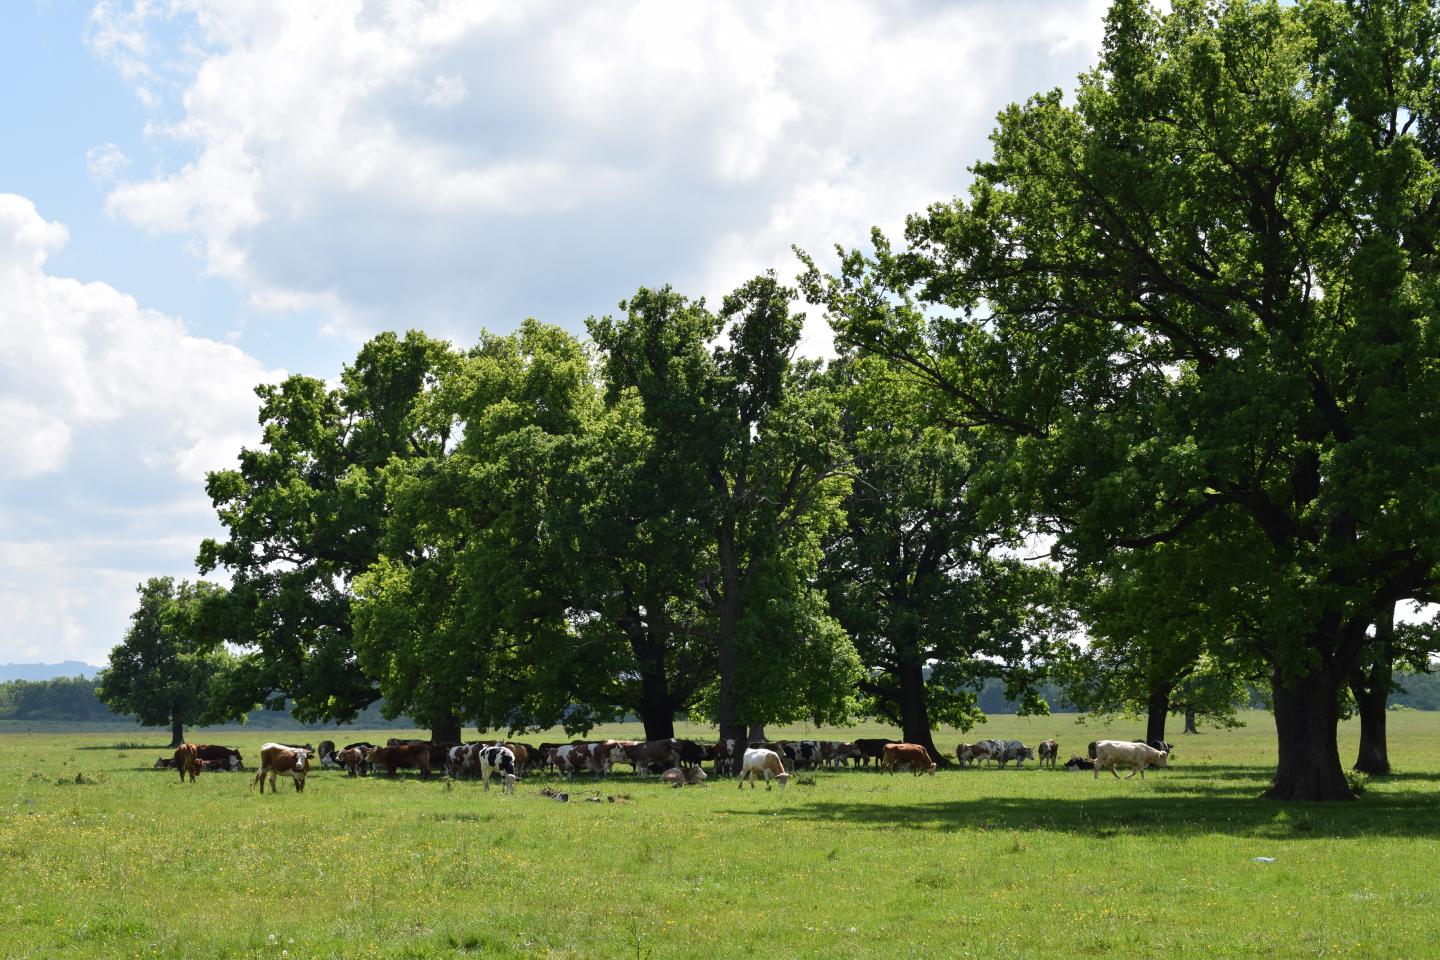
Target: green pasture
[103, 856]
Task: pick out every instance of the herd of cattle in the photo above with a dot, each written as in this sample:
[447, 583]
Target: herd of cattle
[676, 761]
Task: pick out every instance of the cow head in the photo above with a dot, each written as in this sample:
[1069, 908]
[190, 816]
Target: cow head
[1163, 759]
[782, 779]
[235, 762]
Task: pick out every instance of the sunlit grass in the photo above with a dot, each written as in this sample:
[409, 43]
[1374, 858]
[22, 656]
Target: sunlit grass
[102, 856]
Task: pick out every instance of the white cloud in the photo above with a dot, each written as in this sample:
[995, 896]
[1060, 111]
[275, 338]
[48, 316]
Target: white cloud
[105, 163]
[451, 164]
[79, 357]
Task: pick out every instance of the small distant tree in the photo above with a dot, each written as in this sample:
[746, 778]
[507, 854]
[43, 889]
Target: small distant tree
[168, 666]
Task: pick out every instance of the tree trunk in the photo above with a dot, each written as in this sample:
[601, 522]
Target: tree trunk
[728, 651]
[1157, 709]
[1190, 721]
[914, 712]
[177, 730]
[756, 734]
[1371, 689]
[1306, 714]
[657, 708]
[446, 730]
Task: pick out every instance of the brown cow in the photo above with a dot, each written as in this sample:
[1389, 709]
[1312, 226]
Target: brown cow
[403, 755]
[911, 755]
[187, 761]
[224, 758]
[276, 758]
[1049, 749]
[350, 758]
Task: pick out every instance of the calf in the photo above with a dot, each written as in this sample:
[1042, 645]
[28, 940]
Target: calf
[276, 758]
[1048, 751]
[766, 763]
[187, 760]
[1112, 753]
[911, 755]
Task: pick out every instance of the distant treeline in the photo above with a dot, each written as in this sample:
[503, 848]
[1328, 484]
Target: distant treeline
[72, 700]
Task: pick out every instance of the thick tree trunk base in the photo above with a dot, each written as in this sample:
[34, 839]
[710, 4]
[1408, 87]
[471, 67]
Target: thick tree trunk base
[1374, 754]
[450, 732]
[1306, 714]
[1157, 710]
[1190, 722]
[177, 733]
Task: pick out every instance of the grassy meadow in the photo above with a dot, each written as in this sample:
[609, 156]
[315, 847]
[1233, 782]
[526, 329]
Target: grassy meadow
[103, 856]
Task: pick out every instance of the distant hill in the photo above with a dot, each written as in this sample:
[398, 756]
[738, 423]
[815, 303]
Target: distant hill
[46, 671]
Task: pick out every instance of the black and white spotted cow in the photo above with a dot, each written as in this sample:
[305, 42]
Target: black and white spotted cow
[498, 760]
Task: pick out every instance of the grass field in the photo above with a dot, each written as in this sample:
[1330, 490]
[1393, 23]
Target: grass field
[102, 856]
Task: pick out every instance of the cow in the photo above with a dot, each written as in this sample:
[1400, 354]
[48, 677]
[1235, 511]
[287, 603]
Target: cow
[1048, 751]
[224, 758]
[323, 749]
[362, 748]
[1079, 763]
[968, 753]
[522, 756]
[187, 760]
[1163, 745]
[276, 758]
[658, 754]
[766, 763]
[1112, 753]
[543, 754]
[352, 759]
[331, 761]
[684, 776]
[871, 749]
[807, 754]
[725, 757]
[571, 757]
[496, 759]
[691, 754]
[401, 755]
[1012, 750]
[605, 754]
[911, 755]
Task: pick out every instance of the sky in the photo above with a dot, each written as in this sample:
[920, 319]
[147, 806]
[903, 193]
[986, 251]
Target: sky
[198, 196]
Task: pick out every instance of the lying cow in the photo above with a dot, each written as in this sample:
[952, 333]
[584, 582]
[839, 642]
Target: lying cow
[187, 761]
[911, 755]
[1049, 749]
[1112, 753]
[759, 762]
[1079, 763]
[275, 759]
[684, 776]
[393, 758]
[222, 758]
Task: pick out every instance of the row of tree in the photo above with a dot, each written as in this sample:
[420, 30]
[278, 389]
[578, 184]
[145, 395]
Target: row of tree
[1180, 336]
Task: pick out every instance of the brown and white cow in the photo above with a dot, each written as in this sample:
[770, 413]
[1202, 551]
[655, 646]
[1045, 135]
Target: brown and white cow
[911, 755]
[1049, 750]
[351, 759]
[276, 758]
[759, 762]
[725, 758]
[187, 760]
[570, 757]
[224, 758]
[401, 755]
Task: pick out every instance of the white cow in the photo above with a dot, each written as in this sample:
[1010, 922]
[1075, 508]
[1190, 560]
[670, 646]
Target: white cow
[759, 762]
[1112, 753]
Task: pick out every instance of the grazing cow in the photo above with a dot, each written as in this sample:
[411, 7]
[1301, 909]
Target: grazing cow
[684, 776]
[911, 755]
[187, 760]
[499, 760]
[276, 758]
[401, 755]
[1049, 749]
[224, 758]
[1112, 753]
[871, 749]
[1079, 763]
[766, 763]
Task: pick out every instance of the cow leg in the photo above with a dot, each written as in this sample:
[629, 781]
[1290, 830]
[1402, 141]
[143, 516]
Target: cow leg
[1096, 771]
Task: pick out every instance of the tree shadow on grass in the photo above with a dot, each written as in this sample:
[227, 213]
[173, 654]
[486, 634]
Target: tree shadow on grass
[1194, 808]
